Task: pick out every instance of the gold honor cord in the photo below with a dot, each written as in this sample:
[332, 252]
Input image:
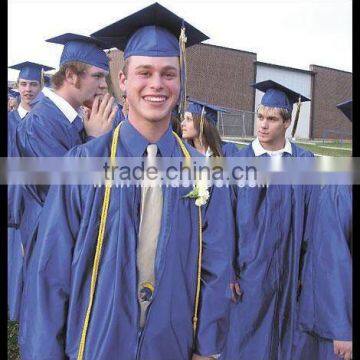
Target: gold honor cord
[100, 241]
[99, 244]
[296, 119]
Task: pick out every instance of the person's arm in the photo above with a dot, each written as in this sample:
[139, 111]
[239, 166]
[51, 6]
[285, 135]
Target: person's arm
[218, 248]
[325, 301]
[45, 322]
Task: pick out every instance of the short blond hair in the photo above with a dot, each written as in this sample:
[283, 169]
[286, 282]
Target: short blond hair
[285, 114]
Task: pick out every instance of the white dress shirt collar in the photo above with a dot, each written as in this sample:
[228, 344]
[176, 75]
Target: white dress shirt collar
[22, 112]
[69, 112]
[259, 150]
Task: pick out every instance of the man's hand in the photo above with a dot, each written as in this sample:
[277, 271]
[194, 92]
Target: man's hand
[236, 291]
[343, 349]
[198, 357]
[99, 120]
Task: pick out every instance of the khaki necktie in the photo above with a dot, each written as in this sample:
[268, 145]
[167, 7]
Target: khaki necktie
[149, 229]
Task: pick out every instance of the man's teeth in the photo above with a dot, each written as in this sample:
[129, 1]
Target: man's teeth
[155, 98]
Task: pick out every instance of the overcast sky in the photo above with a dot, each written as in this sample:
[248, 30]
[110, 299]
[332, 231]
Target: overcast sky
[293, 33]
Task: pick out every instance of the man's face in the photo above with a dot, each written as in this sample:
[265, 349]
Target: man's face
[28, 89]
[91, 83]
[188, 127]
[152, 87]
[271, 127]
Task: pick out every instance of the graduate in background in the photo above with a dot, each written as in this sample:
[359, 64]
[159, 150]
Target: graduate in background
[326, 300]
[29, 83]
[199, 129]
[54, 126]
[13, 99]
[270, 223]
[130, 315]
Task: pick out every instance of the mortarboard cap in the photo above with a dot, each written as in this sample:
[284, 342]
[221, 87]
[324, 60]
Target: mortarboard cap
[30, 70]
[153, 31]
[47, 80]
[82, 48]
[346, 108]
[13, 93]
[210, 111]
[278, 96]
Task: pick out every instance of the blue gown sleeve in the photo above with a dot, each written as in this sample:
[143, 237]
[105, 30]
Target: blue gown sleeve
[49, 294]
[326, 306]
[218, 248]
[36, 138]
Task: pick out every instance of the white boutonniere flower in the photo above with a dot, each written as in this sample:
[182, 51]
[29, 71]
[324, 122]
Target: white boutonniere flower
[200, 192]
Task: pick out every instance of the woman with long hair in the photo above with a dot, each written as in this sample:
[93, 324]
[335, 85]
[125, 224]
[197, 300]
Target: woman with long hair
[199, 129]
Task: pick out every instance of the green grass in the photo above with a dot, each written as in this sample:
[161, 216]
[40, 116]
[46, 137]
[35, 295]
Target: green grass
[325, 151]
[13, 348]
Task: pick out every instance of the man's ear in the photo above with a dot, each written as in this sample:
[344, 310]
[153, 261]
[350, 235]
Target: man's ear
[287, 123]
[122, 82]
[70, 76]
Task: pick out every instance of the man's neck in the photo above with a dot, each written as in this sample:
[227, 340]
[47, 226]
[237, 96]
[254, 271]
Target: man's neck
[66, 96]
[274, 146]
[151, 131]
[199, 147]
[25, 105]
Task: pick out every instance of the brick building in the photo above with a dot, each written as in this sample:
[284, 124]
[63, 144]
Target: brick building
[223, 76]
[329, 88]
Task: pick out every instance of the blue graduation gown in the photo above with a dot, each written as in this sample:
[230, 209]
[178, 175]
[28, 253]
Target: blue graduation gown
[270, 224]
[15, 246]
[45, 133]
[119, 116]
[65, 251]
[326, 300]
[229, 149]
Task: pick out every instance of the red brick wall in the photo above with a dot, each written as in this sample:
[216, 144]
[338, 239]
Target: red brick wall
[221, 76]
[330, 87]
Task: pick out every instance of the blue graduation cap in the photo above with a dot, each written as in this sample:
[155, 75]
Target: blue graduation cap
[47, 80]
[30, 70]
[278, 96]
[82, 48]
[153, 31]
[13, 93]
[210, 111]
[346, 108]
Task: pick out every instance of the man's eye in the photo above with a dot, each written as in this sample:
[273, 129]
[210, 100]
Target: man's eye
[144, 73]
[169, 75]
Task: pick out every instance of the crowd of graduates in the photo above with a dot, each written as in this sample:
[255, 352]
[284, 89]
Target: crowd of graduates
[162, 272]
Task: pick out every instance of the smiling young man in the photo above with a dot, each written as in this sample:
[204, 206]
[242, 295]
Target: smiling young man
[144, 304]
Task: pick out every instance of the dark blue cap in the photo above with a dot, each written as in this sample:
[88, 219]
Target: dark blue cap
[13, 93]
[82, 48]
[153, 31]
[30, 70]
[346, 108]
[47, 80]
[278, 96]
[210, 111]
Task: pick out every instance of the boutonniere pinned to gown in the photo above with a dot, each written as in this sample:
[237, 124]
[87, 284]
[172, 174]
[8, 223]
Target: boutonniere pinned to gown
[200, 191]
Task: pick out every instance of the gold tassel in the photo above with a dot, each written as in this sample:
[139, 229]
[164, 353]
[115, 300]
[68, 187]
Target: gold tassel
[183, 93]
[202, 119]
[42, 78]
[296, 119]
